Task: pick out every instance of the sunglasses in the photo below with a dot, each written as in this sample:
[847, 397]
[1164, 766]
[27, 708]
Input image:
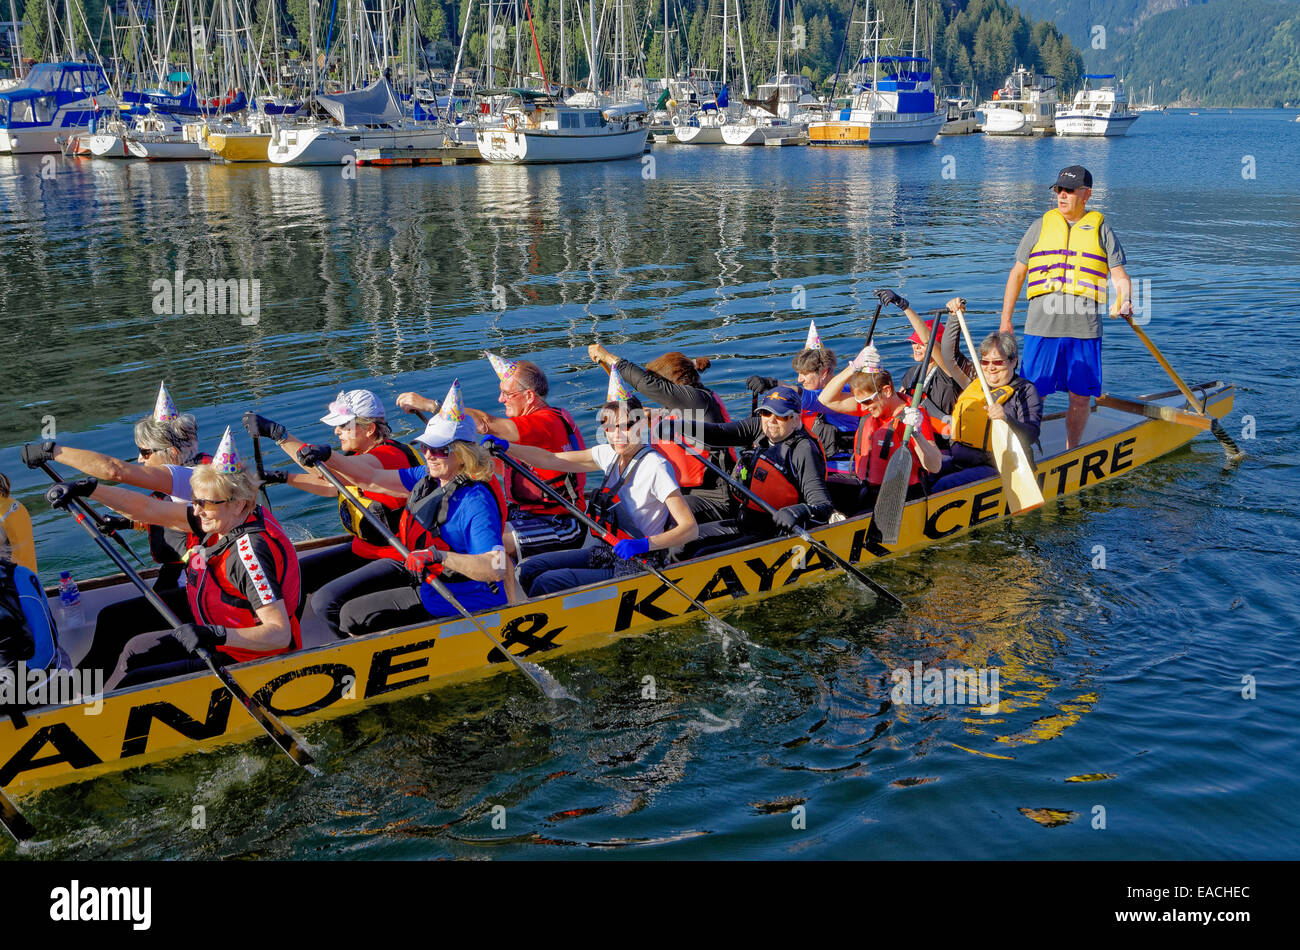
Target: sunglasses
[993, 362]
[202, 504]
[868, 400]
[768, 414]
[145, 453]
[432, 453]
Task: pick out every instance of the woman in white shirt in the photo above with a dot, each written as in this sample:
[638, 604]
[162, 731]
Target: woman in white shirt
[635, 502]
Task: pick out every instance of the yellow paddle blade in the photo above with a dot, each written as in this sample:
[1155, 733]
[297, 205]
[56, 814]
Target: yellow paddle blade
[1019, 480]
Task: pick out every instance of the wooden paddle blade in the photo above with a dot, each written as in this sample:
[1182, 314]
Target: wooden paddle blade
[888, 516]
[1019, 480]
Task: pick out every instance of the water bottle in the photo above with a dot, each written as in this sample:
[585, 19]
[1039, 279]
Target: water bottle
[70, 601]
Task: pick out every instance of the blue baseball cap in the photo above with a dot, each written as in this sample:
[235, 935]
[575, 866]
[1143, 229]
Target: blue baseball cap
[782, 401]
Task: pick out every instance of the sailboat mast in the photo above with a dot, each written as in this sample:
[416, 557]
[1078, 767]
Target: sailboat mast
[740, 44]
[72, 37]
[780, 34]
[18, 40]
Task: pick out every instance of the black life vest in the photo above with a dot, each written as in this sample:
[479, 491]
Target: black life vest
[167, 545]
[426, 511]
[391, 513]
[765, 469]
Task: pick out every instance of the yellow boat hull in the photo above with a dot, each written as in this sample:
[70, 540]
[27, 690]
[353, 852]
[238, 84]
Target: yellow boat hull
[149, 723]
[239, 147]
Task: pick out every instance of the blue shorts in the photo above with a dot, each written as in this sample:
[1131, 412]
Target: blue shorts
[1062, 364]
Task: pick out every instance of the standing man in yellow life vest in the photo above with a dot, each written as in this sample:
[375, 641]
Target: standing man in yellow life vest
[1067, 255]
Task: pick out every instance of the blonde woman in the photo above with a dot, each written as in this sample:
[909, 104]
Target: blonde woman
[241, 571]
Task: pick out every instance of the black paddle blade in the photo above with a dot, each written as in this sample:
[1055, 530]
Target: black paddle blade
[888, 515]
[13, 820]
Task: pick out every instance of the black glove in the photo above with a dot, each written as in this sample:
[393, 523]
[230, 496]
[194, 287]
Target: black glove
[310, 455]
[263, 427]
[276, 476]
[792, 517]
[193, 636]
[36, 454]
[61, 494]
[117, 523]
[761, 384]
[887, 297]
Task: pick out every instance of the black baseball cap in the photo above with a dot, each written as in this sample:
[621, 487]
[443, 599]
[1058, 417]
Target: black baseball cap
[1075, 176]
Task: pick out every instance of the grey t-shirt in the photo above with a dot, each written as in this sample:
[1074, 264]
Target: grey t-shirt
[1060, 314]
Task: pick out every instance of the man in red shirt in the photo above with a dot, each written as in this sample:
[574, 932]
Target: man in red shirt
[536, 523]
[335, 575]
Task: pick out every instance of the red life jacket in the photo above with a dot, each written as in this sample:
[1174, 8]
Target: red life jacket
[426, 511]
[167, 545]
[767, 472]
[608, 506]
[367, 542]
[570, 484]
[214, 593]
[875, 444]
[688, 468]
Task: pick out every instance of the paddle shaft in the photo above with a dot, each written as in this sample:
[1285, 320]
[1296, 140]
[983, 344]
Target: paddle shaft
[284, 737]
[261, 472]
[94, 515]
[13, 819]
[596, 528]
[888, 514]
[812, 542]
[437, 584]
[1229, 446]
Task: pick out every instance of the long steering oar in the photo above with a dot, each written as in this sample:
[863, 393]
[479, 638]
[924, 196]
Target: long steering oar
[802, 532]
[284, 737]
[1019, 480]
[94, 515]
[596, 529]
[1229, 447]
[543, 680]
[888, 516]
[13, 819]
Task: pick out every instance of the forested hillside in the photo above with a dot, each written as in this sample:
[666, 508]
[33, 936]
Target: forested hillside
[1194, 52]
[975, 42]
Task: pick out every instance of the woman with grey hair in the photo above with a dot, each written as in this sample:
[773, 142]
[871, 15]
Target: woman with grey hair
[1015, 401]
[167, 445]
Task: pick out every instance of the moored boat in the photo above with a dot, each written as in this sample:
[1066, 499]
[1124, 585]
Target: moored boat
[330, 678]
[541, 129]
[1024, 105]
[53, 102]
[1100, 108]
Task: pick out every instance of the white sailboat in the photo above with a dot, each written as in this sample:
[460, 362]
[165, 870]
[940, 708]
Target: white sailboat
[895, 107]
[538, 128]
[367, 118]
[770, 114]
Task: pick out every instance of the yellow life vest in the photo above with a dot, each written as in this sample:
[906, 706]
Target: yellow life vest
[1069, 259]
[354, 523]
[970, 415]
[16, 533]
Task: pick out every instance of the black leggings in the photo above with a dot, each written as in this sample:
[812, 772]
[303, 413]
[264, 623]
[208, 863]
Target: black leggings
[162, 659]
[118, 623]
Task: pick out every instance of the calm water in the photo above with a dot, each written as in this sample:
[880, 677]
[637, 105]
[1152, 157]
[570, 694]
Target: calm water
[1128, 677]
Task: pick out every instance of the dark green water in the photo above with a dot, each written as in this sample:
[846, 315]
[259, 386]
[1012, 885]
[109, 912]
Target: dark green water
[1129, 676]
